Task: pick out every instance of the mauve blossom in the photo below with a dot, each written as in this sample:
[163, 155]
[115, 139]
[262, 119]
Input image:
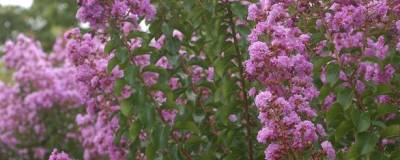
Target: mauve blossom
[273, 152]
[264, 134]
[126, 92]
[150, 78]
[262, 99]
[174, 83]
[398, 25]
[169, 115]
[159, 43]
[55, 155]
[232, 118]
[142, 60]
[178, 34]
[386, 141]
[197, 72]
[329, 100]
[321, 130]
[96, 126]
[159, 97]
[210, 74]
[329, 150]
[41, 83]
[258, 50]
[135, 43]
[378, 49]
[252, 92]
[304, 134]
[97, 13]
[282, 57]
[163, 63]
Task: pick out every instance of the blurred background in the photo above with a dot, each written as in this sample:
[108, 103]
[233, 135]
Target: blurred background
[43, 20]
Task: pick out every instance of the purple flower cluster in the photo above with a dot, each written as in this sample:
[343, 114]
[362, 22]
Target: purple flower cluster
[169, 115]
[41, 83]
[97, 126]
[329, 150]
[351, 25]
[282, 65]
[55, 155]
[124, 13]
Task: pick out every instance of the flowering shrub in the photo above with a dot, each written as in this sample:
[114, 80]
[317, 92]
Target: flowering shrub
[356, 58]
[96, 86]
[348, 44]
[42, 88]
[273, 79]
[180, 78]
[282, 65]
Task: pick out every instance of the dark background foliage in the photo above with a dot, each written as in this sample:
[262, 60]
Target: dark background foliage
[44, 20]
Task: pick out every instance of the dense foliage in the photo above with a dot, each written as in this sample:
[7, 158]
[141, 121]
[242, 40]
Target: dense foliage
[209, 79]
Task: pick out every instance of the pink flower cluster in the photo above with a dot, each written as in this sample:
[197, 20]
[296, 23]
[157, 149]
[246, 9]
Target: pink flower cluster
[98, 126]
[350, 28]
[41, 83]
[55, 155]
[281, 63]
[124, 13]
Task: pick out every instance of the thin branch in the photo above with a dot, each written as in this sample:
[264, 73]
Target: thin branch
[239, 57]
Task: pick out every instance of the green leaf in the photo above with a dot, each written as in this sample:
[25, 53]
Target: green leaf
[134, 130]
[345, 97]
[382, 89]
[342, 130]
[126, 108]
[163, 136]
[147, 115]
[395, 155]
[118, 86]
[133, 147]
[110, 46]
[378, 124]
[391, 131]
[166, 29]
[137, 34]
[122, 54]
[324, 92]
[188, 125]
[385, 109]
[332, 73]
[150, 151]
[112, 63]
[371, 59]
[378, 155]
[369, 143]
[355, 115]
[365, 144]
[244, 30]
[319, 62]
[239, 10]
[364, 122]
[175, 153]
[172, 45]
[335, 115]
[130, 75]
[158, 70]
[220, 67]
[228, 86]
